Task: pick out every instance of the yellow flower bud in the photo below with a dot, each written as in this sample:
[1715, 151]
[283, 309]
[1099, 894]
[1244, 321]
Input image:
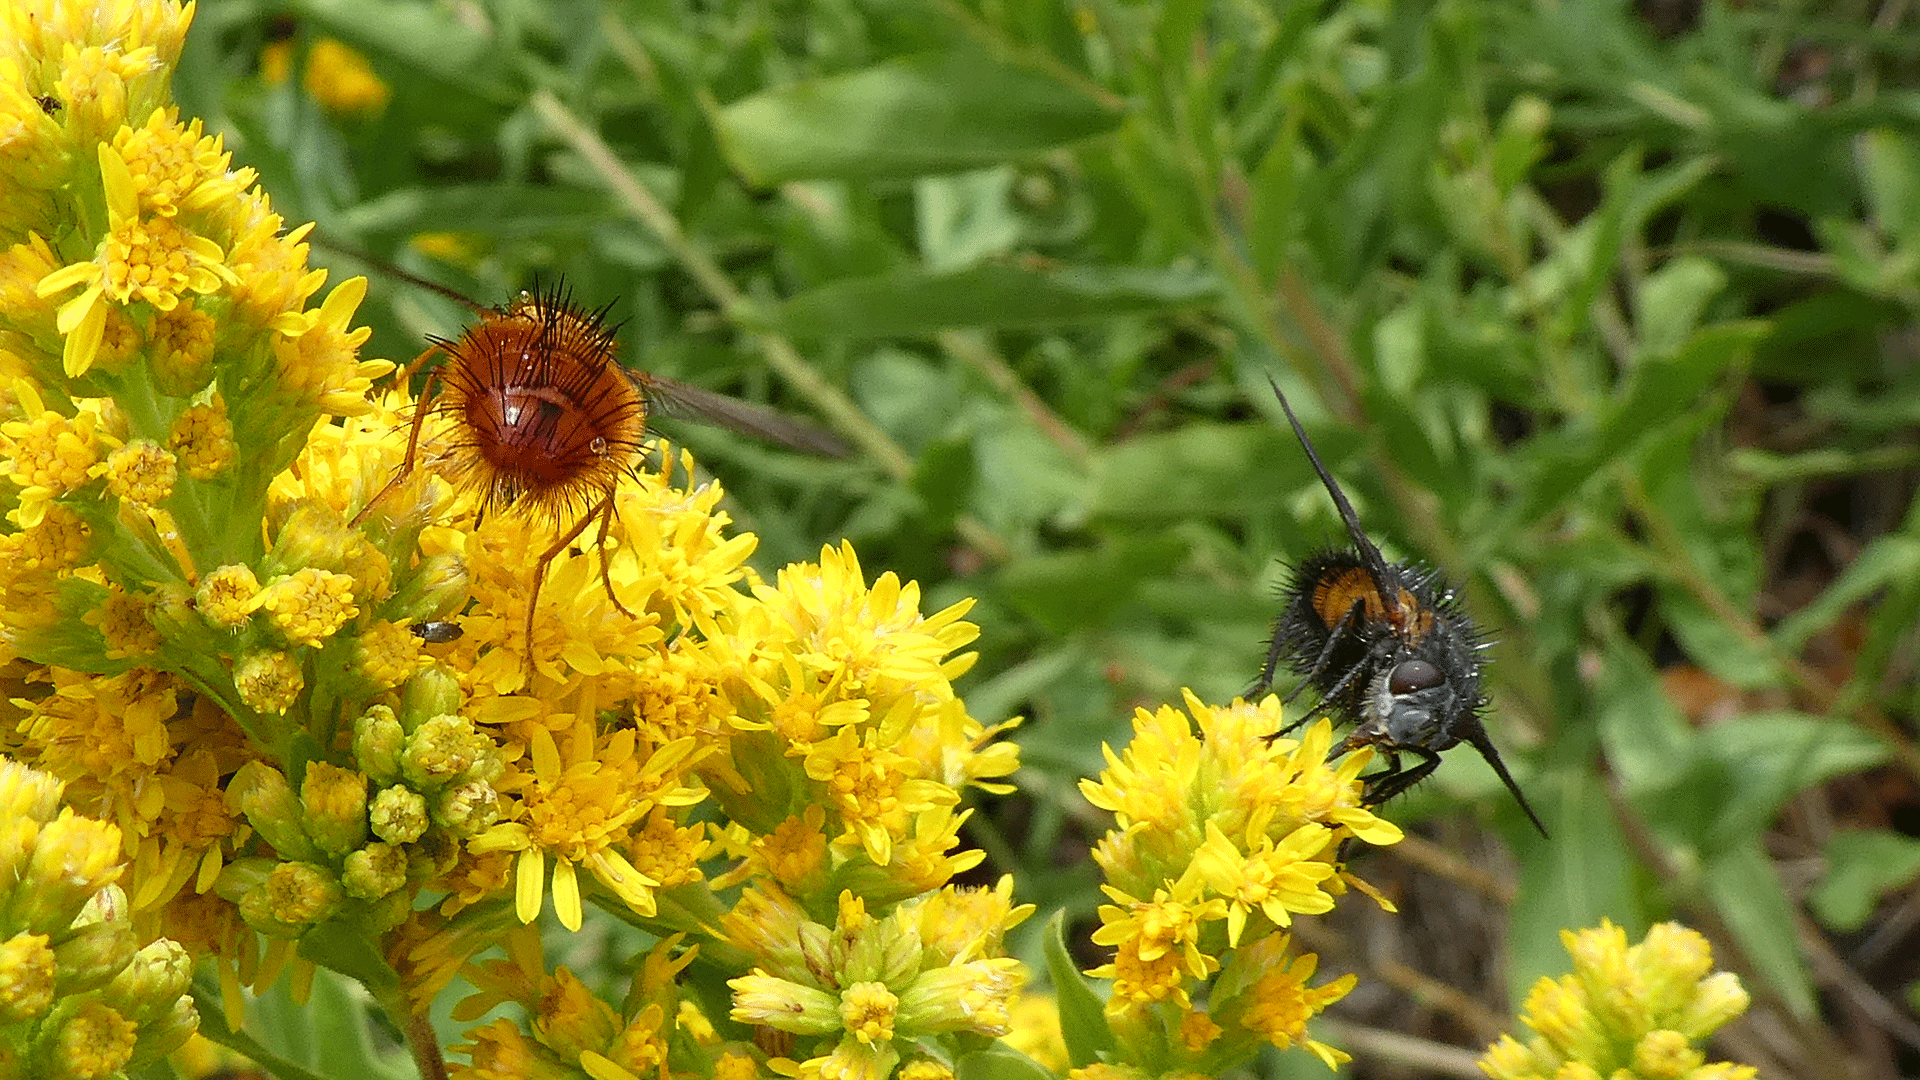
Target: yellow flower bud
[268, 682]
[202, 440]
[91, 1042]
[228, 596]
[310, 605]
[26, 977]
[73, 858]
[387, 653]
[141, 472]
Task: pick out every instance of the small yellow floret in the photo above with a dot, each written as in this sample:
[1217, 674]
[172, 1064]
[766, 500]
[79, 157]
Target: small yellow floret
[310, 605]
[141, 472]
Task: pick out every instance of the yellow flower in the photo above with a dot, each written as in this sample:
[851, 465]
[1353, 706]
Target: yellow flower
[318, 355]
[338, 77]
[873, 788]
[152, 260]
[1267, 995]
[1274, 879]
[1625, 1009]
[1157, 945]
[49, 454]
[175, 167]
[86, 999]
[875, 636]
[578, 809]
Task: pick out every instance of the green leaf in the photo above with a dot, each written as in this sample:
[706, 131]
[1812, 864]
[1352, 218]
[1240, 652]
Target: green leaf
[1745, 889]
[1890, 174]
[1715, 645]
[509, 209]
[999, 1063]
[919, 301]
[1199, 470]
[1586, 873]
[1884, 561]
[1768, 758]
[1862, 864]
[1083, 1016]
[938, 112]
[1672, 301]
[1072, 589]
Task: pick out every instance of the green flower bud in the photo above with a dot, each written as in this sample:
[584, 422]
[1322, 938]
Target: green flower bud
[398, 814]
[335, 803]
[148, 987]
[294, 896]
[467, 809]
[93, 954]
[431, 692]
[377, 741]
[267, 800]
[448, 750]
[777, 1003]
[166, 1033]
[311, 536]
[439, 586]
[374, 871]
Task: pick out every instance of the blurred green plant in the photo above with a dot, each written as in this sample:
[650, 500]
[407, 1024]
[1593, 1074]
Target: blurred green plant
[1605, 318]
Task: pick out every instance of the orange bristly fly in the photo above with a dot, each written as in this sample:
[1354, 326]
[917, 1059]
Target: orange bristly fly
[544, 418]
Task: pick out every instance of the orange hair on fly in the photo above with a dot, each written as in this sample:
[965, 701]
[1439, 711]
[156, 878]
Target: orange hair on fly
[544, 416]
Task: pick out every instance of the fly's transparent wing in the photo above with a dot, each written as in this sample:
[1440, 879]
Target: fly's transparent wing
[677, 399]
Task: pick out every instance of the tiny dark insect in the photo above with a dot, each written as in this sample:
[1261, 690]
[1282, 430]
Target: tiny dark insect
[1389, 650]
[437, 631]
[47, 102]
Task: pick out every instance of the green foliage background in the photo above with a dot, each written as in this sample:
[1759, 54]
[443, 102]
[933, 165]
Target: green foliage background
[1607, 312]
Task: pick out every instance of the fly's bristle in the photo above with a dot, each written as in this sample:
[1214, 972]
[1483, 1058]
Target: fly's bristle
[543, 415]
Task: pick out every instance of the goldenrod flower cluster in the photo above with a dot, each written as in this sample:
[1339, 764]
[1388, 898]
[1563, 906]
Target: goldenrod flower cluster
[1626, 1013]
[80, 998]
[1222, 835]
[208, 639]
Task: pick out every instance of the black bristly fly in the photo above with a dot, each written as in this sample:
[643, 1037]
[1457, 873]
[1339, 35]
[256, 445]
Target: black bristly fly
[1388, 649]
